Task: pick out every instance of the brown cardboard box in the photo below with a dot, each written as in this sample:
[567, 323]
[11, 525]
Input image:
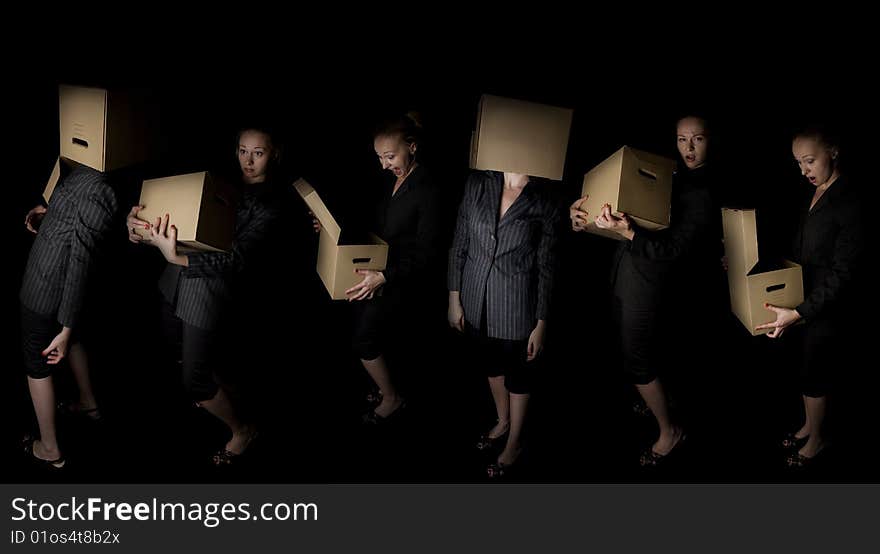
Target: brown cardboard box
[520, 137]
[54, 177]
[200, 205]
[106, 130]
[60, 170]
[337, 262]
[636, 183]
[749, 290]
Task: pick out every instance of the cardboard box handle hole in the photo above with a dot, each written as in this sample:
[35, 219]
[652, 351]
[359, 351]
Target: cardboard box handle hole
[649, 174]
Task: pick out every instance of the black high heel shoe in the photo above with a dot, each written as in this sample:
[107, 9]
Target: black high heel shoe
[50, 465]
[74, 410]
[226, 458]
[371, 418]
[486, 442]
[650, 458]
[792, 442]
[374, 397]
[497, 470]
[797, 460]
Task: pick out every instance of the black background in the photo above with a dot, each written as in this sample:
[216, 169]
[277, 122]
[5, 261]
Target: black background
[306, 387]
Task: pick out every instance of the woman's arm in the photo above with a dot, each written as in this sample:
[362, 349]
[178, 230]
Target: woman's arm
[460, 243]
[848, 250]
[675, 241]
[246, 241]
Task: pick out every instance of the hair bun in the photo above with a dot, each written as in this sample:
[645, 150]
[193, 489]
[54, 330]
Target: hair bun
[408, 126]
[415, 117]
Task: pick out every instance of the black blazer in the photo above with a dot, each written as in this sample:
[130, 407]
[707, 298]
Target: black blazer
[410, 222]
[201, 291]
[642, 267]
[508, 265]
[81, 215]
[829, 245]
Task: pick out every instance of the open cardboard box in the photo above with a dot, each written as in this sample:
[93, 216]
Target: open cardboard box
[337, 262]
[780, 284]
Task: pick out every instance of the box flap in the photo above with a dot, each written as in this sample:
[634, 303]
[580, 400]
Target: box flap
[53, 180]
[740, 239]
[475, 136]
[310, 195]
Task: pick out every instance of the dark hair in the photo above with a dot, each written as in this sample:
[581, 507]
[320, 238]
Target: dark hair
[408, 127]
[822, 133]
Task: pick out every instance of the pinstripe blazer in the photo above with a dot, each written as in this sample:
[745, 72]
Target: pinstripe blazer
[200, 292]
[81, 214]
[506, 265]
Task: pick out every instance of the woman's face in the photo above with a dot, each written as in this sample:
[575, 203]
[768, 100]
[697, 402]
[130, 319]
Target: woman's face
[692, 141]
[817, 162]
[254, 153]
[395, 155]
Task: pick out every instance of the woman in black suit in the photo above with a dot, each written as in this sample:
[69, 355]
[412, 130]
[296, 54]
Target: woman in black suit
[828, 245]
[501, 267]
[643, 268]
[408, 219]
[198, 287]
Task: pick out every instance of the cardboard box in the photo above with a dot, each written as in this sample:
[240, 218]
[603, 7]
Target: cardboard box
[337, 262]
[62, 168]
[106, 130]
[634, 182]
[201, 206]
[54, 177]
[520, 137]
[779, 284]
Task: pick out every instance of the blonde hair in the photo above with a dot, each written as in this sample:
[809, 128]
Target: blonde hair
[408, 127]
